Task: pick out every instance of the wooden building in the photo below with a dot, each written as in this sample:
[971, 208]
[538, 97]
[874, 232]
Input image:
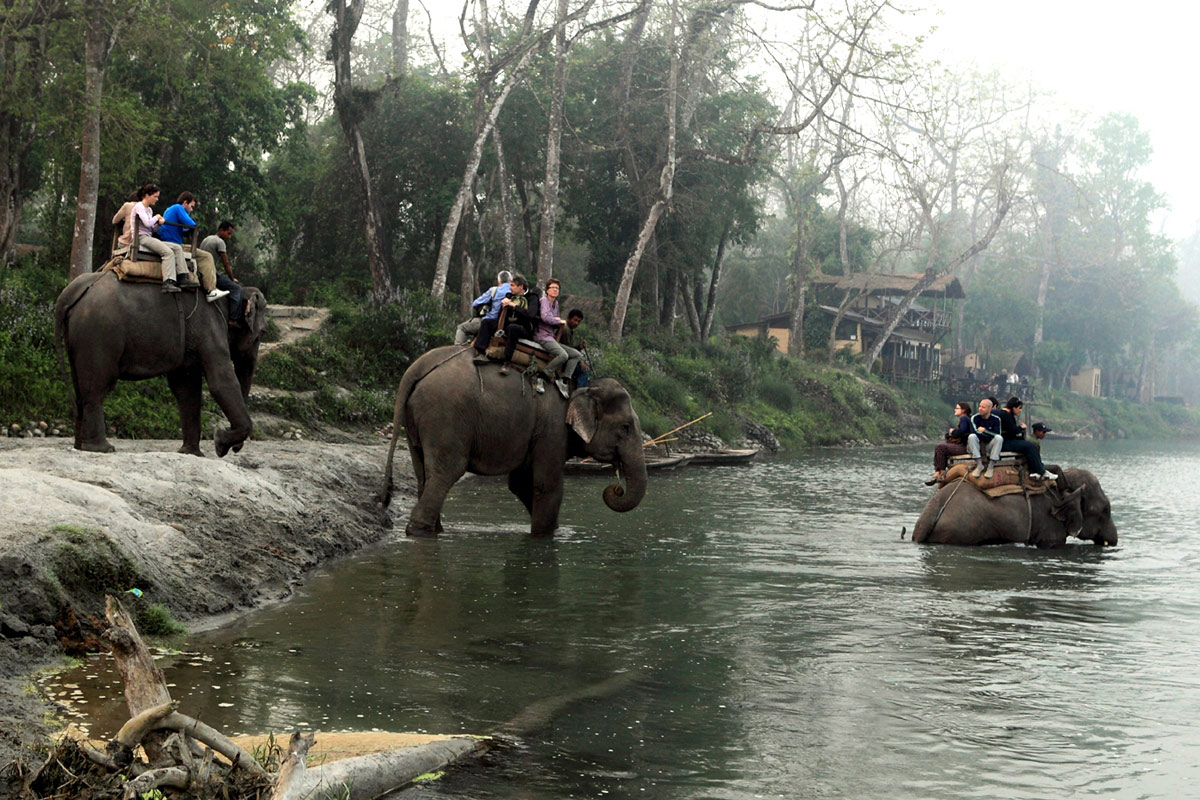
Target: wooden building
[913, 351]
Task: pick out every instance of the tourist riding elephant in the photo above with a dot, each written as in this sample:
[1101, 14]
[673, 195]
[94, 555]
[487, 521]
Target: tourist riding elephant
[117, 330]
[958, 513]
[460, 416]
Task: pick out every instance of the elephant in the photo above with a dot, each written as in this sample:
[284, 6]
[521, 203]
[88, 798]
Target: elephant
[1075, 505]
[120, 330]
[460, 416]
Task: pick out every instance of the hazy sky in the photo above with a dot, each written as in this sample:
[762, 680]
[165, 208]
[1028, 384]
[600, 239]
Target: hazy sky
[1098, 56]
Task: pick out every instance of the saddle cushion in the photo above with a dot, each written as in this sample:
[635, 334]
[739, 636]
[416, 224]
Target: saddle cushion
[1007, 478]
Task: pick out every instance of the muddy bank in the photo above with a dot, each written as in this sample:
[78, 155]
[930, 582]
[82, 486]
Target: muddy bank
[204, 539]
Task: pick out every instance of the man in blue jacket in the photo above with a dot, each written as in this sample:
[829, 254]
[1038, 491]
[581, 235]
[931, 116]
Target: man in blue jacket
[986, 427]
[177, 220]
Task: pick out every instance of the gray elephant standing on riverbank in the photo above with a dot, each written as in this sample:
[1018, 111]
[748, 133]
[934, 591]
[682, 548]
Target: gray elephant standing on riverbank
[116, 330]
[958, 513]
[459, 416]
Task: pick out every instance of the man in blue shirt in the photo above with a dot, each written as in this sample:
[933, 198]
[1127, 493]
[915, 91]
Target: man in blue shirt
[176, 221]
[986, 427]
[487, 325]
[468, 330]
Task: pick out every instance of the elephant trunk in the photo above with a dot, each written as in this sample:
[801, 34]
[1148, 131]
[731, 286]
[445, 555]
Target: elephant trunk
[631, 462]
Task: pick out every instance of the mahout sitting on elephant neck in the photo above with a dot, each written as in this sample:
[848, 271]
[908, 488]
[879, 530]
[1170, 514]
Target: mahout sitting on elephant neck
[461, 417]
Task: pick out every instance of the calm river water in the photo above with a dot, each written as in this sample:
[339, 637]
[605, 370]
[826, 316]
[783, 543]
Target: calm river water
[765, 633]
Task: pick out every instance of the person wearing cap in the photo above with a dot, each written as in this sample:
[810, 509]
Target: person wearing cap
[1040, 430]
[1013, 432]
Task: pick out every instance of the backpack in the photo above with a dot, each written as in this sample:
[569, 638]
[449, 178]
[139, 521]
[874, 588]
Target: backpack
[483, 308]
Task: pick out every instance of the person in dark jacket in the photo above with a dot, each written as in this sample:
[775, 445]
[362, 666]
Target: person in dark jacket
[985, 433]
[1013, 432]
[955, 444]
[519, 324]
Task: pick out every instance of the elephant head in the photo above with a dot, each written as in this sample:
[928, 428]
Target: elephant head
[1085, 510]
[602, 416]
[243, 342]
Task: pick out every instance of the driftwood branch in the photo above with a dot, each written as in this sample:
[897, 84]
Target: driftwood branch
[291, 774]
[214, 739]
[379, 773]
[132, 732]
[171, 777]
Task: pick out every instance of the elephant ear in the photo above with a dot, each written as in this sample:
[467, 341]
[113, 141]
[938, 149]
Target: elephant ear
[256, 312]
[581, 415]
[1069, 511]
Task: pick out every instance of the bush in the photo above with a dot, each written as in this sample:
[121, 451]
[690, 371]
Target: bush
[156, 620]
[778, 391]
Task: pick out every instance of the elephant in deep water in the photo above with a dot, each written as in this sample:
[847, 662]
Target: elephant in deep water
[118, 330]
[460, 417]
[958, 513]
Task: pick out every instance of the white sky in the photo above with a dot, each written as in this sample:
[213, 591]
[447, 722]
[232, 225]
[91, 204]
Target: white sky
[1098, 56]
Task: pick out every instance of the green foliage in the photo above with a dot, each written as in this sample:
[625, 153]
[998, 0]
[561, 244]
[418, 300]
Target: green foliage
[156, 620]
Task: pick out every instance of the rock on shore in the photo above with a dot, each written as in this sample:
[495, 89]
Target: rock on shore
[207, 538]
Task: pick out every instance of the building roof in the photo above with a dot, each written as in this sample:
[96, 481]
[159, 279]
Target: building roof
[877, 284]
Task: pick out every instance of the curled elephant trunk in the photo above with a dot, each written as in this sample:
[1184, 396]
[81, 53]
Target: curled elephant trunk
[632, 465]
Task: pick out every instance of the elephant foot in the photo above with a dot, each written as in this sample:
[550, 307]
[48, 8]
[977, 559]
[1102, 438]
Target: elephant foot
[101, 446]
[420, 531]
[193, 450]
[226, 441]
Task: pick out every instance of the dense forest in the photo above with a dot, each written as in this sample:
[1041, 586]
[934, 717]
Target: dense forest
[682, 165]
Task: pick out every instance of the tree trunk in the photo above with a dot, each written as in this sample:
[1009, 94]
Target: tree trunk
[468, 179]
[799, 283]
[96, 47]
[12, 134]
[689, 307]
[666, 184]
[346, 19]
[553, 148]
[506, 217]
[400, 39]
[710, 308]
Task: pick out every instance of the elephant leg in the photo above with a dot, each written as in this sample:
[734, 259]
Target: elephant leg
[520, 483]
[185, 385]
[225, 389]
[91, 388]
[547, 499]
[418, 462]
[426, 516]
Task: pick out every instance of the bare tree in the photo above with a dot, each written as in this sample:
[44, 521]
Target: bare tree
[400, 39]
[101, 30]
[553, 146]
[350, 108]
[666, 184]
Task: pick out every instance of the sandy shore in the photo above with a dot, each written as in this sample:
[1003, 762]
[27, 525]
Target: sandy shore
[207, 538]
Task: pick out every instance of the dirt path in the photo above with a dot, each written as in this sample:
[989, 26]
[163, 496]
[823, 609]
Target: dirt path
[295, 323]
[207, 538]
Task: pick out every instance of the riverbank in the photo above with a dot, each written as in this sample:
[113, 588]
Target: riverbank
[203, 540]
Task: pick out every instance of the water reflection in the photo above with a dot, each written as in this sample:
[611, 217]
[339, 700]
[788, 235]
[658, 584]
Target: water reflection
[771, 634]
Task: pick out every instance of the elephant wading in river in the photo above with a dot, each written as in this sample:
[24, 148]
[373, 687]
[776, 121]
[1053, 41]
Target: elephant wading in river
[958, 513]
[117, 330]
[461, 417]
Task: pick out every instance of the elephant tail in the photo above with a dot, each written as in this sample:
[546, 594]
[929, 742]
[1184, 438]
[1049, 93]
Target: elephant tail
[71, 295]
[420, 368]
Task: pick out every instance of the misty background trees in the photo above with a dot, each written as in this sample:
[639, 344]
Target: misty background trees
[682, 164]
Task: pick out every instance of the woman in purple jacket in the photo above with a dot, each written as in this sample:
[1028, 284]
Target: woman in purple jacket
[549, 324]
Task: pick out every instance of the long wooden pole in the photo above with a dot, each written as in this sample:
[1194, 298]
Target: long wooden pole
[676, 430]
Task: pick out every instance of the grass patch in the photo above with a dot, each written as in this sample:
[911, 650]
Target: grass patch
[156, 620]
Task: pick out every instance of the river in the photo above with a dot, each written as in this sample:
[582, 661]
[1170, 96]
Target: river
[770, 632]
